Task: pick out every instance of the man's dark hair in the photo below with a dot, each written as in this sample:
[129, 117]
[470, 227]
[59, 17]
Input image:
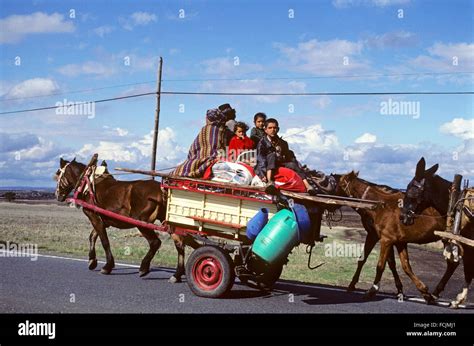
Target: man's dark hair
[227, 110]
[242, 125]
[271, 120]
[259, 115]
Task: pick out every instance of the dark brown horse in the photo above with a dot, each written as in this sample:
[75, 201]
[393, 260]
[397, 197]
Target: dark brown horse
[390, 231]
[140, 199]
[371, 240]
[427, 190]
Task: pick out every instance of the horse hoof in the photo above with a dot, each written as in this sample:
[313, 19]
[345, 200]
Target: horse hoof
[105, 271]
[369, 294]
[174, 280]
[430, 300]
[454, 305]
[143, 273]
[92, 264]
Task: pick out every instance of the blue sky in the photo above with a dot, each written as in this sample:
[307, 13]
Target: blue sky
[49, 50]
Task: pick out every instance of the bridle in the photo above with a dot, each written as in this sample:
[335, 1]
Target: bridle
[415, 191]
[60, 183]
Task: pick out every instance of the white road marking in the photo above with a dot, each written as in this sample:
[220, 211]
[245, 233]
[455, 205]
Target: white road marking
[69, 258]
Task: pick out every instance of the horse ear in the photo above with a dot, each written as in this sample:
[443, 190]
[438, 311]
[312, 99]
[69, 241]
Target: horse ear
[62, 162]
[429, 172]
[74, 159]
[356, 173]
[103, 163]
[420, 168]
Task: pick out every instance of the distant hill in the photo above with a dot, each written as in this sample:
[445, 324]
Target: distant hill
[25, 192]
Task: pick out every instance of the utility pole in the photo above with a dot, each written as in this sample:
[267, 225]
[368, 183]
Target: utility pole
[157, 117]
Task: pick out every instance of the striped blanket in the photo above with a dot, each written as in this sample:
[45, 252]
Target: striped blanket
[206, 148]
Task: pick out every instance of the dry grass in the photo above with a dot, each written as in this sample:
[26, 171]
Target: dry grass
[64, 230]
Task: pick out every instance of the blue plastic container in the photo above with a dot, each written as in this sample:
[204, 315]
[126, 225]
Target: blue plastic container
[304, 222]
[256, 223]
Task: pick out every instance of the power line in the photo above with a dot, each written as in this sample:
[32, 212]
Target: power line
[240, 79]
[247, 94]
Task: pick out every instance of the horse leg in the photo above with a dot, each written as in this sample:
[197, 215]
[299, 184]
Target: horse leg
[384, 253]
[104, 239]
[92, 256]
[179, 244]
[450, 269]
[370, 240]
[403, 254]
[393, 268]
[154, 242]
[468, 263]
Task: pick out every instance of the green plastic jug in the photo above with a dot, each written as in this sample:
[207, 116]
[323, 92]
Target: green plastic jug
[277, 238]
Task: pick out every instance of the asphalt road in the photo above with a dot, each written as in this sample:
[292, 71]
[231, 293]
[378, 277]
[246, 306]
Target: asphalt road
[61, 285]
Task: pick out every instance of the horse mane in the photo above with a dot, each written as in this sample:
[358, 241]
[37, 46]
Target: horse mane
[384, 188]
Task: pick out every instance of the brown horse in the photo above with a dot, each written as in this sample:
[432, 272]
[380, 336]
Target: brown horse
[140, 199]
[428, 189]
[371, 240]
[390, 231]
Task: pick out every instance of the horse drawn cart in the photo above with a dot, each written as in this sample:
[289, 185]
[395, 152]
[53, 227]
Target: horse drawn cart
[216, 215]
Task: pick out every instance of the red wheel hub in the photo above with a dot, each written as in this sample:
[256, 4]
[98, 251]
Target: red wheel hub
[207, 273]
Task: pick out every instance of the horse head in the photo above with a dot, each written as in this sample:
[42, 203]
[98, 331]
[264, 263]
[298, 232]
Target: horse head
[66, 177]
[344, 183]
[419, 193]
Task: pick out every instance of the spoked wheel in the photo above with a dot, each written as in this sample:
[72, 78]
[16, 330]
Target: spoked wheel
[210, 272]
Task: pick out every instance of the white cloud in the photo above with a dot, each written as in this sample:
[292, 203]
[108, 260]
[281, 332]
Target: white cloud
[377, 3]
[325, 58]
[138, 152]
[459, 127]
[93, 68]
[447, 57]
[16, 27]
[103, 30]
[143, 18]
[322, 102]
[255, 86]
[366, 138]
[121, 132]
[136, 19]
[226, 67]
[395, 39]
[32, 87]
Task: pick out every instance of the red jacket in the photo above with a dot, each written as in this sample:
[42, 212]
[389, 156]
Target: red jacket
[238, 145]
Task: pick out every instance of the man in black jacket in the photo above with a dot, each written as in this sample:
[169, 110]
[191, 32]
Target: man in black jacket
[274, 152]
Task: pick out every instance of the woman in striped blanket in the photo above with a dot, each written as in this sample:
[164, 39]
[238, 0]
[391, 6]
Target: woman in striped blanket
[209, 145]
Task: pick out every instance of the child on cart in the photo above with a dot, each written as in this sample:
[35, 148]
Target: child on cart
[240, 143]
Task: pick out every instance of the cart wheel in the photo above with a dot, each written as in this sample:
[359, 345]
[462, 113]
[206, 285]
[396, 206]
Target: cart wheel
[268, 279]
[209, 272]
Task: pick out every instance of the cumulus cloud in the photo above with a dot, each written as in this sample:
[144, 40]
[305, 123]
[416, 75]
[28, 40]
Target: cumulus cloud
[366, 138]
[325, 58]
[255, 86]
[394, 39]
[16, 27]
[459, 127]
[137, 19]
[103, 30]
[92, 68]
[225, 66]
[32, 87]
[446, 57]
[138, 151]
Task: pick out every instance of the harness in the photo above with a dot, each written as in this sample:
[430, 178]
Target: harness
[60, 177]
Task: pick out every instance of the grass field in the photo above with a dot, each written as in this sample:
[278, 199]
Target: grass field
[60, 229]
